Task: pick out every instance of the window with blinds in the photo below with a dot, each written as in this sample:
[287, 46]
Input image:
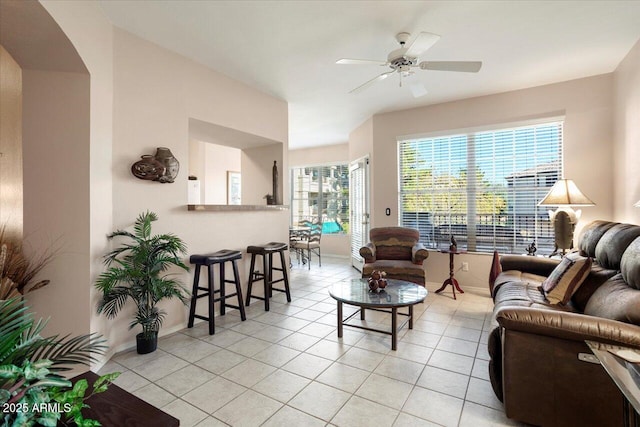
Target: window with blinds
[321, 192]
[481, 187]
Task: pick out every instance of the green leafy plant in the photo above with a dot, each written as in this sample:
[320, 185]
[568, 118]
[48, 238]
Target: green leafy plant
[137, 272]
[73, 401]
[30, 366]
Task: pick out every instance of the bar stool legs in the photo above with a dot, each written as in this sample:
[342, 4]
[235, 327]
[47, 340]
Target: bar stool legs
[236, 282]
[194, 298]
[220, 257]
[266, 276]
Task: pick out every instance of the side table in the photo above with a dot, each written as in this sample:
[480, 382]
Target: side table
[451, 280]
[628, 383]
[117, 407]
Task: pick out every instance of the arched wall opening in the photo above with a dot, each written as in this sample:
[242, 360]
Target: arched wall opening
[54, 144]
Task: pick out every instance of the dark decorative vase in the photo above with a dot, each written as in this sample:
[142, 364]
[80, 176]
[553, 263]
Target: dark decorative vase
[276, 197]
[166, 158]
[145, 344]
[531, 249]
[148, 168]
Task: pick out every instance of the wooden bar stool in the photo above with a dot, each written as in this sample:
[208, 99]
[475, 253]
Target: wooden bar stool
[266, 275]
[209, 260]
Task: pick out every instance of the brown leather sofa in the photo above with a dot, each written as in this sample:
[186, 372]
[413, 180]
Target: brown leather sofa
[536, 367]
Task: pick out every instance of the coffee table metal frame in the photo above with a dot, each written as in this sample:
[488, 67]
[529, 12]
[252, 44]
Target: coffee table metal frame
[411, 295]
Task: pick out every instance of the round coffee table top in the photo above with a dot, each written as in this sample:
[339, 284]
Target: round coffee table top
[398, 293]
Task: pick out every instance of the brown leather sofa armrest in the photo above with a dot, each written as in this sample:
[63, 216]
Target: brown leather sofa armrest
[529, 264]
[368, 252]
[419, 253]
[569, 326]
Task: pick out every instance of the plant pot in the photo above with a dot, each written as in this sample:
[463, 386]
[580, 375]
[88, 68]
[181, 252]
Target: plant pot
[146, 344]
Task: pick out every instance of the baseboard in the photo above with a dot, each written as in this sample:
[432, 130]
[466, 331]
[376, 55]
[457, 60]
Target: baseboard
[112, 351]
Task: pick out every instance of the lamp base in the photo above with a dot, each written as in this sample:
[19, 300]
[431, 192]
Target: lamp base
[564, 221]
[558, 251]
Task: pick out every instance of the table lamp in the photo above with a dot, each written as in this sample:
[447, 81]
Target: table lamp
[564, 194]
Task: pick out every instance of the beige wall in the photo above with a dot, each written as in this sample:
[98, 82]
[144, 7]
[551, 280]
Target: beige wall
[218, 160]
[257, 174]
[627, 138]
[56, 192]
[91, 34]
[11, 186]
[56, 160]
[361, 140]
[587, 105]
[326, 154]
[155, 94]
[141, 97]
[331, 244]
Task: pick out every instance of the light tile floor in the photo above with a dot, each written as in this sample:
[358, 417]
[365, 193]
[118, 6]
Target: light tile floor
[287, 367]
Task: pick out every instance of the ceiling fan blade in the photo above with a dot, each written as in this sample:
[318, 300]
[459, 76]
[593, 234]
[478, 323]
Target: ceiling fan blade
[462, 66]
[347, 61]
[420, 45]
[371, 82]
[418, 90]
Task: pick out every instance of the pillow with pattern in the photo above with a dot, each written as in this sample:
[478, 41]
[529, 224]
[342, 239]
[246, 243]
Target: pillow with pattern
[566, 278]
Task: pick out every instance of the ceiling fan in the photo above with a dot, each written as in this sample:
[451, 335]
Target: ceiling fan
[405, 59]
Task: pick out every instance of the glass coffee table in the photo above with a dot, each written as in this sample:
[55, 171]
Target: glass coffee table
[397, 294]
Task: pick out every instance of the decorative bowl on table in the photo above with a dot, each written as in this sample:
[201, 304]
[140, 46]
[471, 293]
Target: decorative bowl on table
[377, 281]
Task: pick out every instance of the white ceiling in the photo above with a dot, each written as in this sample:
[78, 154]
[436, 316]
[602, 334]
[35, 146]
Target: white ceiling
[288, 48]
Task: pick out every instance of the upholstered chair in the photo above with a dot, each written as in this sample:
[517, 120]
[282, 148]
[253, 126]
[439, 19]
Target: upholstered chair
[397, 251]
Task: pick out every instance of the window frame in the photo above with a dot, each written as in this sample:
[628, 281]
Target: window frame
[320, 199]
[541, 228]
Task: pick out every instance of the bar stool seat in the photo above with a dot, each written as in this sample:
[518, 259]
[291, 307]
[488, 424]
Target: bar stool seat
[209, 260]
[270, 247]
[267, 251]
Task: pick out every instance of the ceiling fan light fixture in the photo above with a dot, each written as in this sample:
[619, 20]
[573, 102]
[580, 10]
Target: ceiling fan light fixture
[403, 37]
[404, 59]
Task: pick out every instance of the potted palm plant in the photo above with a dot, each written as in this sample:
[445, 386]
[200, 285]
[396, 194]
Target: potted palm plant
[137, 270]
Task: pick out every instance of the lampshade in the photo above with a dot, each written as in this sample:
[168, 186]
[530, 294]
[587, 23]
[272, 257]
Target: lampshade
[637, 205]
[565, 193]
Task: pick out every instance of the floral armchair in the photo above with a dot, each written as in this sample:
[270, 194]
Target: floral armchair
[397, 251]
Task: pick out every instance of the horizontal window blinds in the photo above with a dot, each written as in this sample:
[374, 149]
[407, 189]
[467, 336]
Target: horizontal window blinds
[482, 187]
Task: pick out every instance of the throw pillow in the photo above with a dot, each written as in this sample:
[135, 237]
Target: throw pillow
[566, 278]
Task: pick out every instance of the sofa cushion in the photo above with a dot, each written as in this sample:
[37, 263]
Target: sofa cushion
[566, 278]
[394, 242]
[615, 300]
[597, 276]
[613, 244]
[591, 235]
[524, 294]
[517, 276]
[630, 264]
